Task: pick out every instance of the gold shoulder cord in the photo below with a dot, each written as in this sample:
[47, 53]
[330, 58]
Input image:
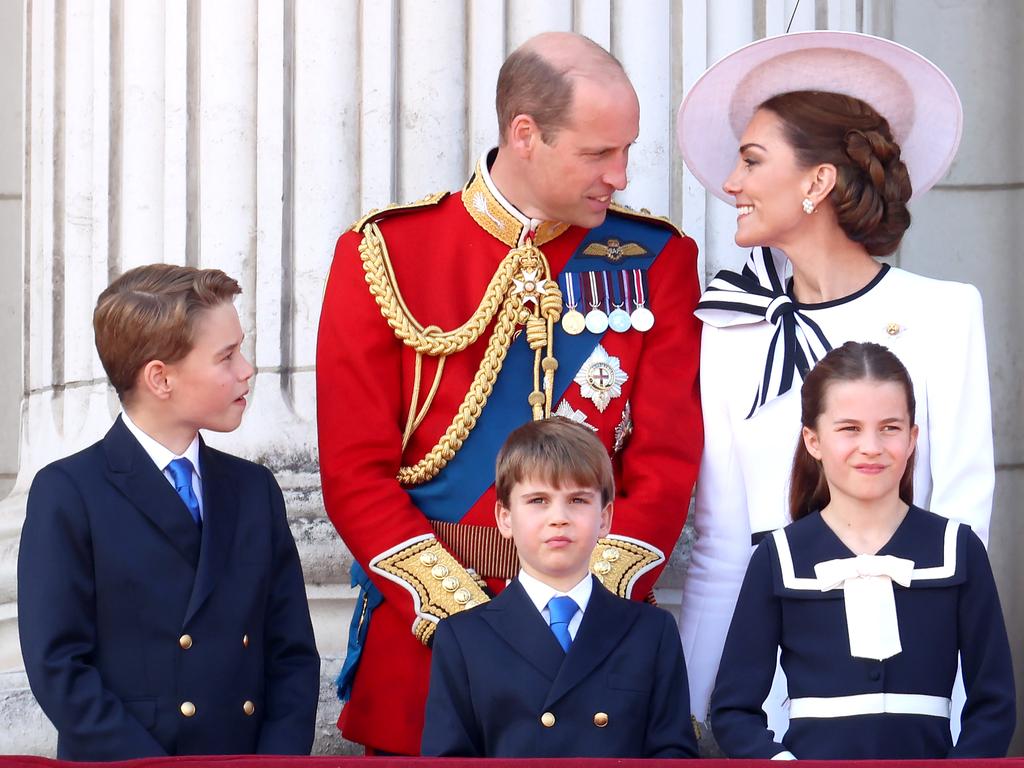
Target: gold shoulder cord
[534, 300]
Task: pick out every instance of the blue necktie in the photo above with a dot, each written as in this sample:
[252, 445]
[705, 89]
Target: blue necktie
[181, 474]
[561, 610]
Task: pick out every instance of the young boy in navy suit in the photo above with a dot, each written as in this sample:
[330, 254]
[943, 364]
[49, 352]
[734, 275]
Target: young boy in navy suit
[556, 665]
[161, 604]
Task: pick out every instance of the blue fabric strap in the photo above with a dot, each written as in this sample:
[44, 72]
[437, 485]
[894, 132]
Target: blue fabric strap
[562, 609]
[181, 473]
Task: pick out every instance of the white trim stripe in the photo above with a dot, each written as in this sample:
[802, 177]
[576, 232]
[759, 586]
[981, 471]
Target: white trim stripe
[789, 578]
[869, 704]
[791, 581]
[948, 567]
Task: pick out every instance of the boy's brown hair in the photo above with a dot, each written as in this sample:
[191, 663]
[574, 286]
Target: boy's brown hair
[149, 313]
[559, 452]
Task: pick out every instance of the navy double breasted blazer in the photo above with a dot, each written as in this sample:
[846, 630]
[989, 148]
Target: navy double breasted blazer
[501, 686]
[142, 636]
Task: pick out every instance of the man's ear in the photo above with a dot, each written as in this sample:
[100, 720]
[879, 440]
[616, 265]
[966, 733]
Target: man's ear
[155, 379]
[503, 517]
[522, 135]
[811, 442]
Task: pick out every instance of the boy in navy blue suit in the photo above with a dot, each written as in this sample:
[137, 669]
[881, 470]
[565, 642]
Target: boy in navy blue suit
[161, 604]
[556, 665]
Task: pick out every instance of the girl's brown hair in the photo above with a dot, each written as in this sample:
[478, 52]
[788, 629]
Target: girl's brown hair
[854, 361]
[872, 184]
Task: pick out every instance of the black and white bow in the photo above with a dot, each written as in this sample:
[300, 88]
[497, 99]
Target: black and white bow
[758, 294]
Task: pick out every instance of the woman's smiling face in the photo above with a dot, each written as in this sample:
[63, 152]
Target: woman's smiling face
[767, 184]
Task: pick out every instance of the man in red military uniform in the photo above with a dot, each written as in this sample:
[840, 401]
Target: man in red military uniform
[449, 322]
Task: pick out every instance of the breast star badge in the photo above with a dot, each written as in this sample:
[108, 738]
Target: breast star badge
[566, 411]
[601, 378]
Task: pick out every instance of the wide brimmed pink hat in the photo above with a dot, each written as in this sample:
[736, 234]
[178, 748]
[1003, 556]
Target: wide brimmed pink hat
[915, 96]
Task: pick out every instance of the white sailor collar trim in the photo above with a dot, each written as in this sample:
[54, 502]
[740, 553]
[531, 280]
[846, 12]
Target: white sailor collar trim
[790, 581]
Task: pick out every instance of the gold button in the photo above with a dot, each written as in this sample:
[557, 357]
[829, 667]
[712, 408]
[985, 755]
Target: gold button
[185, 641]
[600, 719]
[892, 329]
[187, 708]
[462, 596]
[547, 720]
[428, 558]
[249, 708]
[602, 567]
[450, 583]
[611, 554]
[439, 571]
[245, 641]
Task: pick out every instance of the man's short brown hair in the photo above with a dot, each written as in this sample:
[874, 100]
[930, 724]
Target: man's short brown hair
[557, 451]
[149, 313]
[531, 84]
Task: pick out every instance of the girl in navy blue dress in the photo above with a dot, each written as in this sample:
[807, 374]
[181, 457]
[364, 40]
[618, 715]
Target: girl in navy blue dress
[869, 598]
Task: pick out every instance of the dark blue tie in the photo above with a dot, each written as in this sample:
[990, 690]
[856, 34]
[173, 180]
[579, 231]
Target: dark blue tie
[181, 474]
[562, 609]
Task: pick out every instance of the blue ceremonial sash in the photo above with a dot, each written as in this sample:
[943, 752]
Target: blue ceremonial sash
[454, 491]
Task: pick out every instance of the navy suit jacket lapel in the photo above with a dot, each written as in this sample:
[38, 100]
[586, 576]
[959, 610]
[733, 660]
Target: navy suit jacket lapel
[130, 469]
[605, 622]
[220, 518]
[519, 624]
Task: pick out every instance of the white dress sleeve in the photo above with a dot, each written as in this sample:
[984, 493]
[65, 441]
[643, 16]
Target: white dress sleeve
[722, 548]
[960, 414]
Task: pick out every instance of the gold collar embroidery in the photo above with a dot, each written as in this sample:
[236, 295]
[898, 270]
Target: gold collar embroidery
[496, 215]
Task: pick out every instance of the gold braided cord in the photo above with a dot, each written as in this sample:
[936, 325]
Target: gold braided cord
[380, 276]
[527, 268]
[473, 404]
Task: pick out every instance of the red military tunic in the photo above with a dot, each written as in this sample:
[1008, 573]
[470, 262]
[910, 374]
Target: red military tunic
[444, 252]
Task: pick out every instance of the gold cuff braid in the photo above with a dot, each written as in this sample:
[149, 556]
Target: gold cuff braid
[615, 563]
[441, 584]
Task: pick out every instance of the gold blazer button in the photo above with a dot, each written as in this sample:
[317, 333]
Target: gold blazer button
[547, 719]
[248, 707]
[187, 708]
[185, 641]
[600, 719]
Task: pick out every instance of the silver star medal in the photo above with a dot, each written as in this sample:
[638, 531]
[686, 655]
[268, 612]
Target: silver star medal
[566, 411]
[601, 378]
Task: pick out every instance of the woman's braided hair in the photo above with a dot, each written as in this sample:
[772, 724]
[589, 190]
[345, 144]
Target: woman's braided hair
[872, 184]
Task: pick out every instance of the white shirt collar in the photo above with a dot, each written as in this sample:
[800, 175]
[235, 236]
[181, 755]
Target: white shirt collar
[159, 453]
[540, 593]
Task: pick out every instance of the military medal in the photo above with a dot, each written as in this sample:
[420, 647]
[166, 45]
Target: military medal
[618, 318]
[601, 378]
[573, 321]
[641, 318]
[596, 320]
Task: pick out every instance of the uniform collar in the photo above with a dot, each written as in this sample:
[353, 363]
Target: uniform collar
[494, 213]
[540, 593]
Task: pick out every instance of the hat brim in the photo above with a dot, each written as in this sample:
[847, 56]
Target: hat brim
[916, 98]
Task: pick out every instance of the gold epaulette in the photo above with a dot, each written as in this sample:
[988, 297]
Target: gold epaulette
[617, 562]
[645, 215]
[376, 214]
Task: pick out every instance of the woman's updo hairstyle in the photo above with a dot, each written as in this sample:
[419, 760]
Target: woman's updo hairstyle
[872, 184]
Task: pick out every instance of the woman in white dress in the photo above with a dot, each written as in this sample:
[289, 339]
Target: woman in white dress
[820, 139]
